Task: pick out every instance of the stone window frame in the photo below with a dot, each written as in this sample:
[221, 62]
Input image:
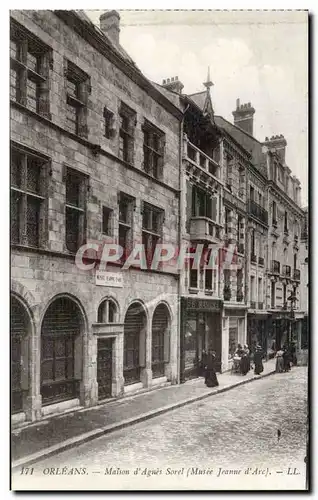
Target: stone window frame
[78, 207]
[32, 61]
[126, 207]
[26, 195]
[128, 121]
[152, 228]
[153, 149]
[77, 97]
[104, 312]
[109, 123]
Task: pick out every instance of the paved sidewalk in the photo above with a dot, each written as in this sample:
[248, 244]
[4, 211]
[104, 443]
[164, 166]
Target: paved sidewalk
[49, 436]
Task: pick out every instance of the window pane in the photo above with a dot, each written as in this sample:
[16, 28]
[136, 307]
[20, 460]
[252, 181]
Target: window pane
[72, 229]
[72, 88]
[60, 347]
[13, 49]
[111, 312]
[32, 61]
[106, 220]
[13, 84]
[60, 370]
[47, 348]
[33, 175]
[32, 220]
[16, 165]
[47, 371]
[69, 368]
[73, 183]
[16, 200]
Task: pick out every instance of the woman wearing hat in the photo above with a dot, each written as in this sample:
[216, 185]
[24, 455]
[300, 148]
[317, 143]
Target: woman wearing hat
[258, 360]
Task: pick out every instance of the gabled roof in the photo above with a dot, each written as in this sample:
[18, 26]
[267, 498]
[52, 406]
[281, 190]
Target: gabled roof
[249, 143]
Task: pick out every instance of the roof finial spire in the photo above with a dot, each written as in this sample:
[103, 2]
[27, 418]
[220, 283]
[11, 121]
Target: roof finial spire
[208, 82]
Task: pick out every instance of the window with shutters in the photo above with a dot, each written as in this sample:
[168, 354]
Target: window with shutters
[75, 209]
[29, 174]
[126, 205]
[30, 64]
[152, 227]
[127, 118]
[154, 141]
[77, 89]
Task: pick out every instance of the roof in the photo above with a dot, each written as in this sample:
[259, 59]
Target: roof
[248, 142]
[118, 48]
[198, 98]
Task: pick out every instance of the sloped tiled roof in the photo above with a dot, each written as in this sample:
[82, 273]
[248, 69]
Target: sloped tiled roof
[249, 143]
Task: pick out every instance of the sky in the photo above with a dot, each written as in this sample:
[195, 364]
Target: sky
[258, 56]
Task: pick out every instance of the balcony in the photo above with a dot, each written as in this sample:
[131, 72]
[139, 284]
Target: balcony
[275, 267]
[296, 274]
[257, 211]
[205, 230]
[286, 271]
[203, 161]
[240, 248]
[253, 259]
[261, 261]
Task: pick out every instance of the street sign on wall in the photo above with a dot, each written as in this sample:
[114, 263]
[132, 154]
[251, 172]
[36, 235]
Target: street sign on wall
[105, 278]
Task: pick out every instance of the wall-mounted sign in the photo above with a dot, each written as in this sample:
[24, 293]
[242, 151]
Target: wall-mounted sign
[202, 304]
[104, 278]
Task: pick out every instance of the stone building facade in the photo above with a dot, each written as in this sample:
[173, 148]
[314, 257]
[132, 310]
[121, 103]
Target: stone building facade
[95, 159]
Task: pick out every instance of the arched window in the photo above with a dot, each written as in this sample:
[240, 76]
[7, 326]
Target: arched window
[19, 328]
[160, 340]
[61, 338]
[107, 312]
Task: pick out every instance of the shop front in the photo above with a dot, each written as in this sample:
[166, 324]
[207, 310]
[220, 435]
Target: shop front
[200, 330]
[259, 333]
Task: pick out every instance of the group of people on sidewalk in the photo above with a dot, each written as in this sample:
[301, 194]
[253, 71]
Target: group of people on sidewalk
[285, 358]
[242, 360]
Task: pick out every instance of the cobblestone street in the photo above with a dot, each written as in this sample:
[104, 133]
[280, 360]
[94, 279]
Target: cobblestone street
[234, 430]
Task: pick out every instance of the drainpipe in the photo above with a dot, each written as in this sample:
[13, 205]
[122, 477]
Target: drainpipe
[179, 245]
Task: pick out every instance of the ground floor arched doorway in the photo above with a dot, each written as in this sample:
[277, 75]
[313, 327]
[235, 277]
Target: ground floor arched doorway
[61, 351]
[135, 325]
[19, 330]
[160, 340]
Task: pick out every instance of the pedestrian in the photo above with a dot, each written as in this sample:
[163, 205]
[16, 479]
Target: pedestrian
[203, 363]
[286, 358]
[245, 360]
[258, 360]
[279, 361]
[210, 375]
[293, 354]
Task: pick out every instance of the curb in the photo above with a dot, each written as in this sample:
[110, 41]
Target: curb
[96, 433]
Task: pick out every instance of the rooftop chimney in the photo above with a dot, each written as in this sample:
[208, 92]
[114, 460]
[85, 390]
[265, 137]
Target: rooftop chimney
[109, 24]
[243, 116]
[278, 144]
[173, 84]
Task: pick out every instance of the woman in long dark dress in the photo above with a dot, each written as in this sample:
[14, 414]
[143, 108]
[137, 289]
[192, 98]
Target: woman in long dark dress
[286, 358]
[210, 375]
[245, 360]
[258, 360]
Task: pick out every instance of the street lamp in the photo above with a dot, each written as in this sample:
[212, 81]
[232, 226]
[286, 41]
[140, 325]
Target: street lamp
[293, 299]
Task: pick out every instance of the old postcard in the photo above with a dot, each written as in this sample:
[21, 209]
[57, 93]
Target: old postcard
[159, 250]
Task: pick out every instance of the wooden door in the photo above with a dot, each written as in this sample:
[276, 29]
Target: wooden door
[104, 368]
